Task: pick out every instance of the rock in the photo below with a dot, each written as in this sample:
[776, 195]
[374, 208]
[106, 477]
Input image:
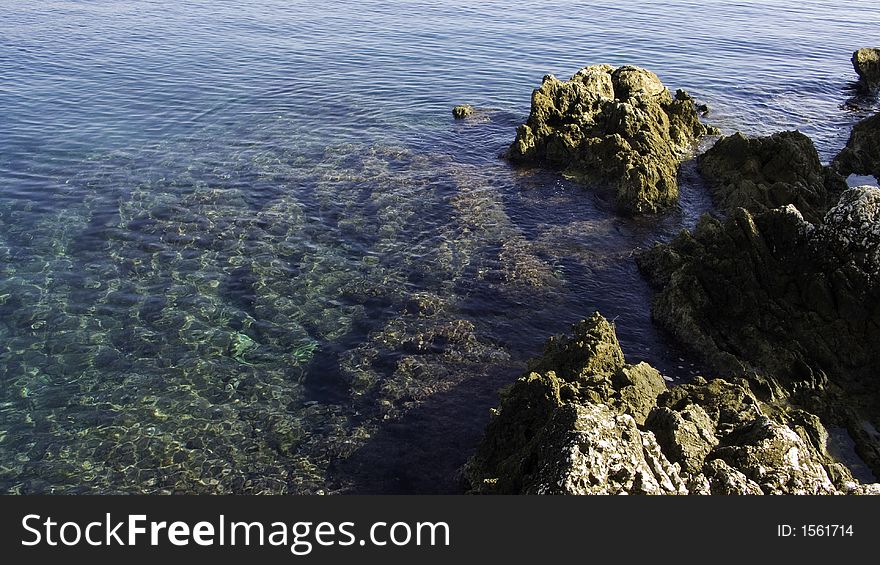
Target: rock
[574, 429]
[725, 480]
[620, 128]
[727, 405]
[637, 389]
[597, 79]
[866, 62]
[633, 81]
[585, 369]
[852, 230]
[763, 173]
[592, 349]
[773, 291]
[687, 436]
[861, 155]
[589, 449]
[775, 458]
[462, 111]
[591, 366]
[774, 294]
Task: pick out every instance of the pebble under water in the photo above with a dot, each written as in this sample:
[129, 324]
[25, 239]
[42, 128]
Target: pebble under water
[246, 249]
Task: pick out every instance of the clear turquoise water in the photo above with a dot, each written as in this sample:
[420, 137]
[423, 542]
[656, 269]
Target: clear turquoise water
[244, 248]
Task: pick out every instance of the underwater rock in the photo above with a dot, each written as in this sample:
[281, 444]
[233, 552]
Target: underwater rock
[866, 62]
[776, 294]
[566, 430]
[462, 111]
[768, 172]
[620, 127]
[861, 155]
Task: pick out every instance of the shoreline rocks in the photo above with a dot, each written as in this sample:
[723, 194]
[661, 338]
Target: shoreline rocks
[774, 294]
[866, 62]
[781, 300]
[861, 155]
[616, 127]
[575, 424]
[763, 173]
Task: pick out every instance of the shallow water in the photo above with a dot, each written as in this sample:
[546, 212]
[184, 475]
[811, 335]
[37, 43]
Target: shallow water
[245, 248]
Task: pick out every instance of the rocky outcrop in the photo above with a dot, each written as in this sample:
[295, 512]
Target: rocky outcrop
[776, 294]
[589, 449]
[617, 127]
[861, 155]
[763, 173]
[569, 427]
[774, 291]
[866, 62]
[462, 111]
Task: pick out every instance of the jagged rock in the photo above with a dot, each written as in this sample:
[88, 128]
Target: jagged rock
[591, 366]
[620, 127]
[861, 155]
[866, 62]
[763, 173]
[852, 230]
[462, 111]
[776, 458]
[726, 404]
[589, 449]
[570, 429]
[686, 437]
[774, 293]
[725, 480]
[592, 349]
[587, 368]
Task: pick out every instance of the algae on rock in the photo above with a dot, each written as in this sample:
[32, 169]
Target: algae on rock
[619, 127]
[866, 62]
[763, 173]
[861, 155]
[773, 293]
[568, 427]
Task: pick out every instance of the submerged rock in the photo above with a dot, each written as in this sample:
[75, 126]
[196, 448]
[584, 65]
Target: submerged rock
[620, 127]
[570, 429]
[774, 293]
[462, 111]
[768, 172]
[861, 155]
[866, 62]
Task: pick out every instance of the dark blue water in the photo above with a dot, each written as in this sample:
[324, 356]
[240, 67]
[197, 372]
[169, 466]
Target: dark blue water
[244, 248]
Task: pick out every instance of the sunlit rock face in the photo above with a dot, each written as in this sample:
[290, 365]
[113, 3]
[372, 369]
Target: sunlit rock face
[616, 127]
[583, 422]
[866, 62]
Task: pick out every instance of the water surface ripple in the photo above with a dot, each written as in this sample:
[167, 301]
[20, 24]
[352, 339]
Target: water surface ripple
[245, 249]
